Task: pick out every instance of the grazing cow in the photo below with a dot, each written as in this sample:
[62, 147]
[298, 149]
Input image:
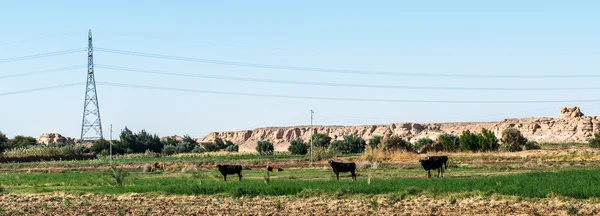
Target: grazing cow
[158, 166]
[433, 163]
[343, 167]
[273, 169]
[230, 170]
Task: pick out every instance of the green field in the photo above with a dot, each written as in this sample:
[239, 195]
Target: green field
[575, 183]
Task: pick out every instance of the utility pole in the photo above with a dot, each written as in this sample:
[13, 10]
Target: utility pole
[110, 145]
[311, 136]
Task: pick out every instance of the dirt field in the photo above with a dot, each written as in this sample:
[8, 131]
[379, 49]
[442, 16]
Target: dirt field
[135, 204]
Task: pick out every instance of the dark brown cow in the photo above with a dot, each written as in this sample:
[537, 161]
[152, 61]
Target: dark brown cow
[433, 163]
[230, 170]
[343, 167]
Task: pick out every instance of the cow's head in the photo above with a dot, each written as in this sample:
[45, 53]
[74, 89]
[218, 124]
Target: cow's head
[330, 161]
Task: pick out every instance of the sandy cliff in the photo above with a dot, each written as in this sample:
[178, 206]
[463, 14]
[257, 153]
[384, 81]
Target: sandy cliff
[570, 126]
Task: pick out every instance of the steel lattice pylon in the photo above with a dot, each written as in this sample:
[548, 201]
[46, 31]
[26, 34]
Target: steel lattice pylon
[91, 110]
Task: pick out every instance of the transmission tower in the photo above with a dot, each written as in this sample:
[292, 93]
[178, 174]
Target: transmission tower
[91, 110]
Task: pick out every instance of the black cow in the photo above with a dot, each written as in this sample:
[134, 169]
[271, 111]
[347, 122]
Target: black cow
[433, 163]
[343, 167]
[230, 170]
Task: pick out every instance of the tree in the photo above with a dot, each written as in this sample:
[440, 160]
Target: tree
[220, 144]
[3, 141]
[422, 142]
[187, 138]
[594, 142]
[169, 150]
[100, 145]
[209, 147]
[298, 147]
[170, 141]
[21, 141]
[147, 141]
[513, 140]
[184, 147]
[488, 141]
[128, 140]
[321, 140]
[232, 148]
[469, 141]
[349, 145]
[450, 142]
[264, 147]
[395, 143]
[374, 141]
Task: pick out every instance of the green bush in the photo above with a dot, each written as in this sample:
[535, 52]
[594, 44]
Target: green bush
[374, 141]
[469, 141]
[395, 143]
[184, 147]
[321, 153]
[219, 143]
[488, 141]
[198, 149]
[264, 147]
[100, 145]
[232, 148]
[321, 140]
[21, 141]
[44, 150]
[170, 141]
[209, 147]
[298, 147]
[594, 142]
[450, 142]
[350, 145]
[140, 142]
[422, 142]
[513, 140]
[532, 145]
[169, 150]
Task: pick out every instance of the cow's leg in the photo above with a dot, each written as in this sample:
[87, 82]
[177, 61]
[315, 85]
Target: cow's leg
[353, 176]
[337, 176]
[438, 172]
[240, 175]
[428, 174]
[225, 177]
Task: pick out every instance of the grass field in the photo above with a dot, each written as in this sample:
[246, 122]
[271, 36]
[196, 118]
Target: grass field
[567, 172]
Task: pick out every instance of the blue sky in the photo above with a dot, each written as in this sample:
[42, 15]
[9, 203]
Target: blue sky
[458, 37]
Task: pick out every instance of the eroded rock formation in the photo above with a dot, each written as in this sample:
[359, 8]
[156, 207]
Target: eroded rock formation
[571, 126]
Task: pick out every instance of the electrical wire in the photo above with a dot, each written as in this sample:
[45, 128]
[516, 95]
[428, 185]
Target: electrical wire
[42, 55]
[44, 71]
[247, 79]
[337, 98]
[342, 71]
[41, 89]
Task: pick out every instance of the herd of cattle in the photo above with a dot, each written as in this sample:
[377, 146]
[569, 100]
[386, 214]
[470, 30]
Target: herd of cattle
[429, 163]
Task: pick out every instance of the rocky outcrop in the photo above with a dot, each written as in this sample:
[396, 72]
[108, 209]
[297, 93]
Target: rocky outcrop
[570, 112]
[48, 138]
[571, 126]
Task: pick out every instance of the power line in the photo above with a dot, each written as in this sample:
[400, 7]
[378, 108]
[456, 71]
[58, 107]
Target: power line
[329, 70]
[43, 71]
[247, 79]
[41, 55]
[337, 98]
[41, 89]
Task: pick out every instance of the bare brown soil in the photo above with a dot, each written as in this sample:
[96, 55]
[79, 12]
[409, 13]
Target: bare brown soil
[59, 204]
